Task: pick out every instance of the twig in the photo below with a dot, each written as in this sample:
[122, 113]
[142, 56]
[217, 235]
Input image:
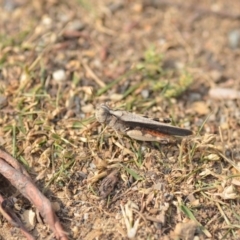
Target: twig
[93, 75]
[21, 180]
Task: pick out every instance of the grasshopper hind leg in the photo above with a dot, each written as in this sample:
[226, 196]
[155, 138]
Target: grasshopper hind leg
[142, 135]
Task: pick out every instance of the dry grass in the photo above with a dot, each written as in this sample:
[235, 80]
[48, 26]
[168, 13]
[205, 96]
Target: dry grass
[155, 61]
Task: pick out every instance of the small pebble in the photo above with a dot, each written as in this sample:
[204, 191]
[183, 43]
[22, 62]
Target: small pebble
[10, 5]
[47, 21]
[234, 39]
[75, 25]
[115, 6]
[59, 75]
[195, 97]
[92, 166]
[145, 93]
[85, 216]
[224, 93]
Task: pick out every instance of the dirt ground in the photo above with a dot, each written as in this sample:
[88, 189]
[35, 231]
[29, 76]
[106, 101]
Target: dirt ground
[166, 59]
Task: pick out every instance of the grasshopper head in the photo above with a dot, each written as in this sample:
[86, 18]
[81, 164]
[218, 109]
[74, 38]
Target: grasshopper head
[102, 113]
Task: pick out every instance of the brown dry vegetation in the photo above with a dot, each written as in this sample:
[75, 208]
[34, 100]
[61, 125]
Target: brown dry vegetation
[158, 58]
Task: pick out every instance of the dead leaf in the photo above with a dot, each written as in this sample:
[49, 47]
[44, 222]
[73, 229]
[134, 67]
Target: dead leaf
[228, 193]
[29, 217]
[108, 184]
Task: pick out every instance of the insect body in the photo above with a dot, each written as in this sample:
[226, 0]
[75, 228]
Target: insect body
[138, 127]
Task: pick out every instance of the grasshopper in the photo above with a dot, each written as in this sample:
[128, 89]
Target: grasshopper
[138, 127]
